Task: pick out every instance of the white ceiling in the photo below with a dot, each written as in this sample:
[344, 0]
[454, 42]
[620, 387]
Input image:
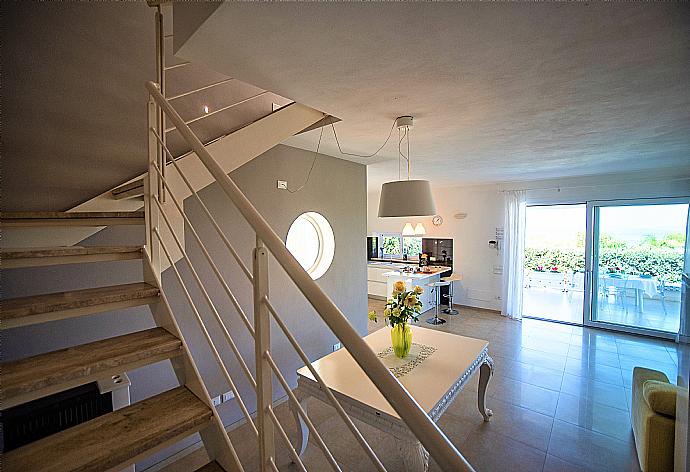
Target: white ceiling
[499, 92]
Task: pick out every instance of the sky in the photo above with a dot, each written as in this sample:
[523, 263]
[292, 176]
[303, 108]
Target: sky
[558, 226]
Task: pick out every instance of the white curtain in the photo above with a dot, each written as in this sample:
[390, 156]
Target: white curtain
[513, 253]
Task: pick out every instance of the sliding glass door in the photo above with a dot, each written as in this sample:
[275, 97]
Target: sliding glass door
[634, 260]
[554, 282]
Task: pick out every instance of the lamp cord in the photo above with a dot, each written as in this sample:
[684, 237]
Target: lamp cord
[335, 134]
[390, 133]
[313, 163]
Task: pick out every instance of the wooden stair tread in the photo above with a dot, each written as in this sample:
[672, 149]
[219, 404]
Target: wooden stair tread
[26, 306]
[211, 467]
[81, 364]
[117, 438]
[52, 215]
[21, 253]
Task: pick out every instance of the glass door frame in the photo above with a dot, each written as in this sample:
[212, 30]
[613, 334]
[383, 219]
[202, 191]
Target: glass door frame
[591, 253]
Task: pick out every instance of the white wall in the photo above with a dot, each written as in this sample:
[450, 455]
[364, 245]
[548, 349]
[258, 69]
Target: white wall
[474, 259]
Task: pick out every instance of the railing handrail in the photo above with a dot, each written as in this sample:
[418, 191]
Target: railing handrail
[428, 433]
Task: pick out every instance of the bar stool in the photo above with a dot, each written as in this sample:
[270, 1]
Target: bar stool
[436, 286]
[451, 278]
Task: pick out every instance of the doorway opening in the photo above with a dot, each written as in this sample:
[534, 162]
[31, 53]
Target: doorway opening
[554, 280]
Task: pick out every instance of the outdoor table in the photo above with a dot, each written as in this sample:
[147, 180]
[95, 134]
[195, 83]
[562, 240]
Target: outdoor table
[641, 285]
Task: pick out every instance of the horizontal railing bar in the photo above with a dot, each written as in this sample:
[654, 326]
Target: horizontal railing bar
[302, 413]
[331, 398]
[200, 322]
[206, 254]
[211, 141]
[219, 110]
[205, 87]
[175, 66]
[428, 433]
[207, 297]
[295, 457]
[216, 226]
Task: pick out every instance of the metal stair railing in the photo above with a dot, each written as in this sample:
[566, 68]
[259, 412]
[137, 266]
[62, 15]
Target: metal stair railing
[265, 423]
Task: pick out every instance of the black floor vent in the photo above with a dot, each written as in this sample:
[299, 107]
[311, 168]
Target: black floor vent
[34, 420]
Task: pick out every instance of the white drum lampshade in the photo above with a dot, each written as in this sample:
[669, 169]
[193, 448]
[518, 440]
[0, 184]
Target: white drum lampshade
[405, 198]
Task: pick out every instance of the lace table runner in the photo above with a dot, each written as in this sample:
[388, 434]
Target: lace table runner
[399, 367]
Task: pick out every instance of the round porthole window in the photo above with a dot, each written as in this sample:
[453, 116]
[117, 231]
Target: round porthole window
[310, 239]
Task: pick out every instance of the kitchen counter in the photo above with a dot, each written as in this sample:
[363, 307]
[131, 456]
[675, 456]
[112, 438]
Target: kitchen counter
[418, 275]
[428, 297]
[378, 276]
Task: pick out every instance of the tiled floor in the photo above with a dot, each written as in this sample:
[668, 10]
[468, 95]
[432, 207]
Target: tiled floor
[554, 304]
[560, 395]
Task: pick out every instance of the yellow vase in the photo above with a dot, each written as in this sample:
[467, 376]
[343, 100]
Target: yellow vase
[401, 339]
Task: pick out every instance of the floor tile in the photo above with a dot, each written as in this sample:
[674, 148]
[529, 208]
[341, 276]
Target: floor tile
[525, 395]
[594, 356]
[491, 452]
[600, 392]
[521, 424]
[550, 335]
[543, 345]
[642, 351]
[594, 416]
[590, 449]
[529, 373]
[601, 342]
[543, 359]
[555, 464]
[586, 368]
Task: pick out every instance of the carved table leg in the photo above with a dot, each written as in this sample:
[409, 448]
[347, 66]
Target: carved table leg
[415, 458]
[486, 370]
[303, 437]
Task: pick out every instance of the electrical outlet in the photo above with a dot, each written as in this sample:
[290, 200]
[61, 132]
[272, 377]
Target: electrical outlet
[216, 400]
[227, 396]
[282, 184]
[337, 346]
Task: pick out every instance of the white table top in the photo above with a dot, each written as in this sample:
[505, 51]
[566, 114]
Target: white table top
[646, 284]
[428, 382]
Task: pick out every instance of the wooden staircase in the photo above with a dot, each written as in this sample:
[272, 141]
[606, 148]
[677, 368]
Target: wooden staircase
[123, 437]
[37, 257]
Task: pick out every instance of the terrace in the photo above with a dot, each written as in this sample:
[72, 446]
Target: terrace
[560, 297]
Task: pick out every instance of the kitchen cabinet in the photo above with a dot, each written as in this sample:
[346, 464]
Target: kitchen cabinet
[376, 282]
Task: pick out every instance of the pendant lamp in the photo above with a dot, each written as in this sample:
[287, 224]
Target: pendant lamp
[404, 198]
[408, 230]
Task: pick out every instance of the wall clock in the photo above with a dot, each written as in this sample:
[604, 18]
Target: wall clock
[437, 220]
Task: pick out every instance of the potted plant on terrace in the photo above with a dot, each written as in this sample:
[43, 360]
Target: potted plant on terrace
[403, 306]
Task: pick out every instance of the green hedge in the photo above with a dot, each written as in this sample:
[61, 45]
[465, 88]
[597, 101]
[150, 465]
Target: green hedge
[657, 263]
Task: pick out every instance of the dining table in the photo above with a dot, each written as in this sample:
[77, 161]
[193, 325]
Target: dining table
[642, 286]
